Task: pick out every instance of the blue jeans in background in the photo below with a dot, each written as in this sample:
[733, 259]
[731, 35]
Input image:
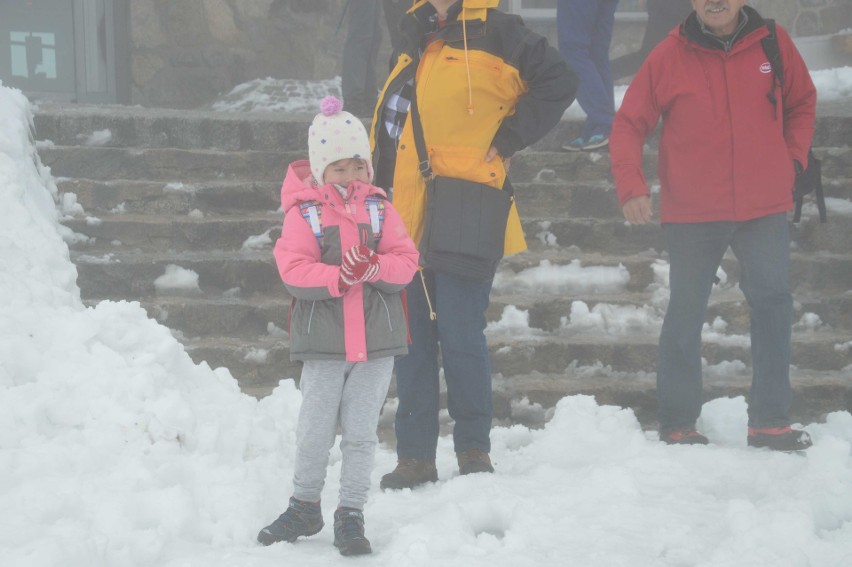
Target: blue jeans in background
[762, 247]
[459, 330]
[584, 29]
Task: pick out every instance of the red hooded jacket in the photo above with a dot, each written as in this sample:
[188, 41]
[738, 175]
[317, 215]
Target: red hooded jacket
[726, 151]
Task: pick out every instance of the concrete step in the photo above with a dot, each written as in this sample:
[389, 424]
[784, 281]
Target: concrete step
[830, 131]
[169, 230]
[535, 165]
[182, 233]
[99, 197]
[527, 398]
[177, 166]
[132, 275]
[260, 363]
[553, 354]
[550, 313]
[253, 318]
[551, 199]
[259, 315]
[614, 236]
[128, 126]
[545, 200]
[823, 272]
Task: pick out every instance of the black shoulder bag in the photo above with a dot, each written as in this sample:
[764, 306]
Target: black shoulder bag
[465, 225]
[810, 179]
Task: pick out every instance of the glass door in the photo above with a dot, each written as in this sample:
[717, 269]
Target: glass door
[37, 47]
[68, 50]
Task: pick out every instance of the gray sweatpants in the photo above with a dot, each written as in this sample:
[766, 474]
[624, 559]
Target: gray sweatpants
[351, 394]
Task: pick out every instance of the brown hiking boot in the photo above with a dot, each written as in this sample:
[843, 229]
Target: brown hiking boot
[474, 461]
[410, 473]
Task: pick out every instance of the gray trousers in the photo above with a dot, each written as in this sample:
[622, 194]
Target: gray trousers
[349, 394]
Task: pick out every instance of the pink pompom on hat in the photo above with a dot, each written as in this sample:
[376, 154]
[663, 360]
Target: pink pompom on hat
[334, 135]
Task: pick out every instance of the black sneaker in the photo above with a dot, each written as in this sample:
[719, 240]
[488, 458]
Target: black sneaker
[779, 438]
[683, 437]
[410, 473]
[474, 461]
[349, 532]
[300, 519]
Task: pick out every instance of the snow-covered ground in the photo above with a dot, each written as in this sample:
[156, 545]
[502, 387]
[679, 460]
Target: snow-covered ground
[116, 450]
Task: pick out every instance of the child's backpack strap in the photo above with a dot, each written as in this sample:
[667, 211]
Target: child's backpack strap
[376, 209]
[312, 213]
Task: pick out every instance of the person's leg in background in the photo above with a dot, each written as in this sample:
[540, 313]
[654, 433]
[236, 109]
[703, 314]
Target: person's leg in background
[418, 391]
[695, 252]
[575, 22]
[417, 381]
[394, 10]
[762, 247]
[599, 53]
[358, 75]
[364, 392]
[461, 306]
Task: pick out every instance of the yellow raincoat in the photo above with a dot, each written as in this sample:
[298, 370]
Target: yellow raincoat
[484, 80]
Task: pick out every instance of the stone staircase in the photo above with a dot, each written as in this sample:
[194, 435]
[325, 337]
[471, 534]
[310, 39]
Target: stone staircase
[199, 190]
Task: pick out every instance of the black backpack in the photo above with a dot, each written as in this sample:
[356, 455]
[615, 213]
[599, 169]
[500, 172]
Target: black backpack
[809, 180]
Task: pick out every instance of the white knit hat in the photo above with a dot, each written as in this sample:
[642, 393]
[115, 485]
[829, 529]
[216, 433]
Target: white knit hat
[334, 135]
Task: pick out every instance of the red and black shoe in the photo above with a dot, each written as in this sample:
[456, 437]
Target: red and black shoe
[779, 438]
[683, 437]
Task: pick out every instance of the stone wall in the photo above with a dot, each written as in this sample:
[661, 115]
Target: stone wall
[185, 53]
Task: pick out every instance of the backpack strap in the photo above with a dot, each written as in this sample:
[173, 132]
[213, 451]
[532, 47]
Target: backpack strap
[773, 53]
[811, 178]
[312, 213]
[376, 209]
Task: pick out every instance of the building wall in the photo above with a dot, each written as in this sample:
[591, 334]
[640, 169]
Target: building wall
[185, 53]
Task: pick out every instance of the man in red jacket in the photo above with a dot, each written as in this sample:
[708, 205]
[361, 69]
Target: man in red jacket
[732, 141]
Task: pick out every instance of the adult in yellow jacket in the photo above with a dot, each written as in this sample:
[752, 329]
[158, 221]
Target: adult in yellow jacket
[486, 87]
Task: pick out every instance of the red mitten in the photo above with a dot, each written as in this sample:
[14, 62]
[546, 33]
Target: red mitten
[370, 262]
[359, 264]
[347, 278]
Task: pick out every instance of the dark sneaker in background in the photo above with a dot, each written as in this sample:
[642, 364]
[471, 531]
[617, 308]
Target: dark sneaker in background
[349, 535]
[683, 437]
[474, 461]
[410, 473]
[779, 438]
[300, 519]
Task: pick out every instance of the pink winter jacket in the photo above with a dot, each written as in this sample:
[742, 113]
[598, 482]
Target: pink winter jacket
[367, 321]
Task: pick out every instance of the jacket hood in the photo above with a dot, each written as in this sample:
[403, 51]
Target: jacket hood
[692, 31]
[299, 186]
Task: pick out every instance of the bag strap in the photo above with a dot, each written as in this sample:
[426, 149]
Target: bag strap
[424, 165]
[773, 53]
[813, 169]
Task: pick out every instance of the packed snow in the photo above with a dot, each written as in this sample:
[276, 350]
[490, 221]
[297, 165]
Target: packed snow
[116, 450]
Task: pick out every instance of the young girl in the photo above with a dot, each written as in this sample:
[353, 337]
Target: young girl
[344, 256]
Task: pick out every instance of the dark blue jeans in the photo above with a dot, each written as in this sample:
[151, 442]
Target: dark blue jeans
[459, 330]
[762, 247]
[584, 28]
